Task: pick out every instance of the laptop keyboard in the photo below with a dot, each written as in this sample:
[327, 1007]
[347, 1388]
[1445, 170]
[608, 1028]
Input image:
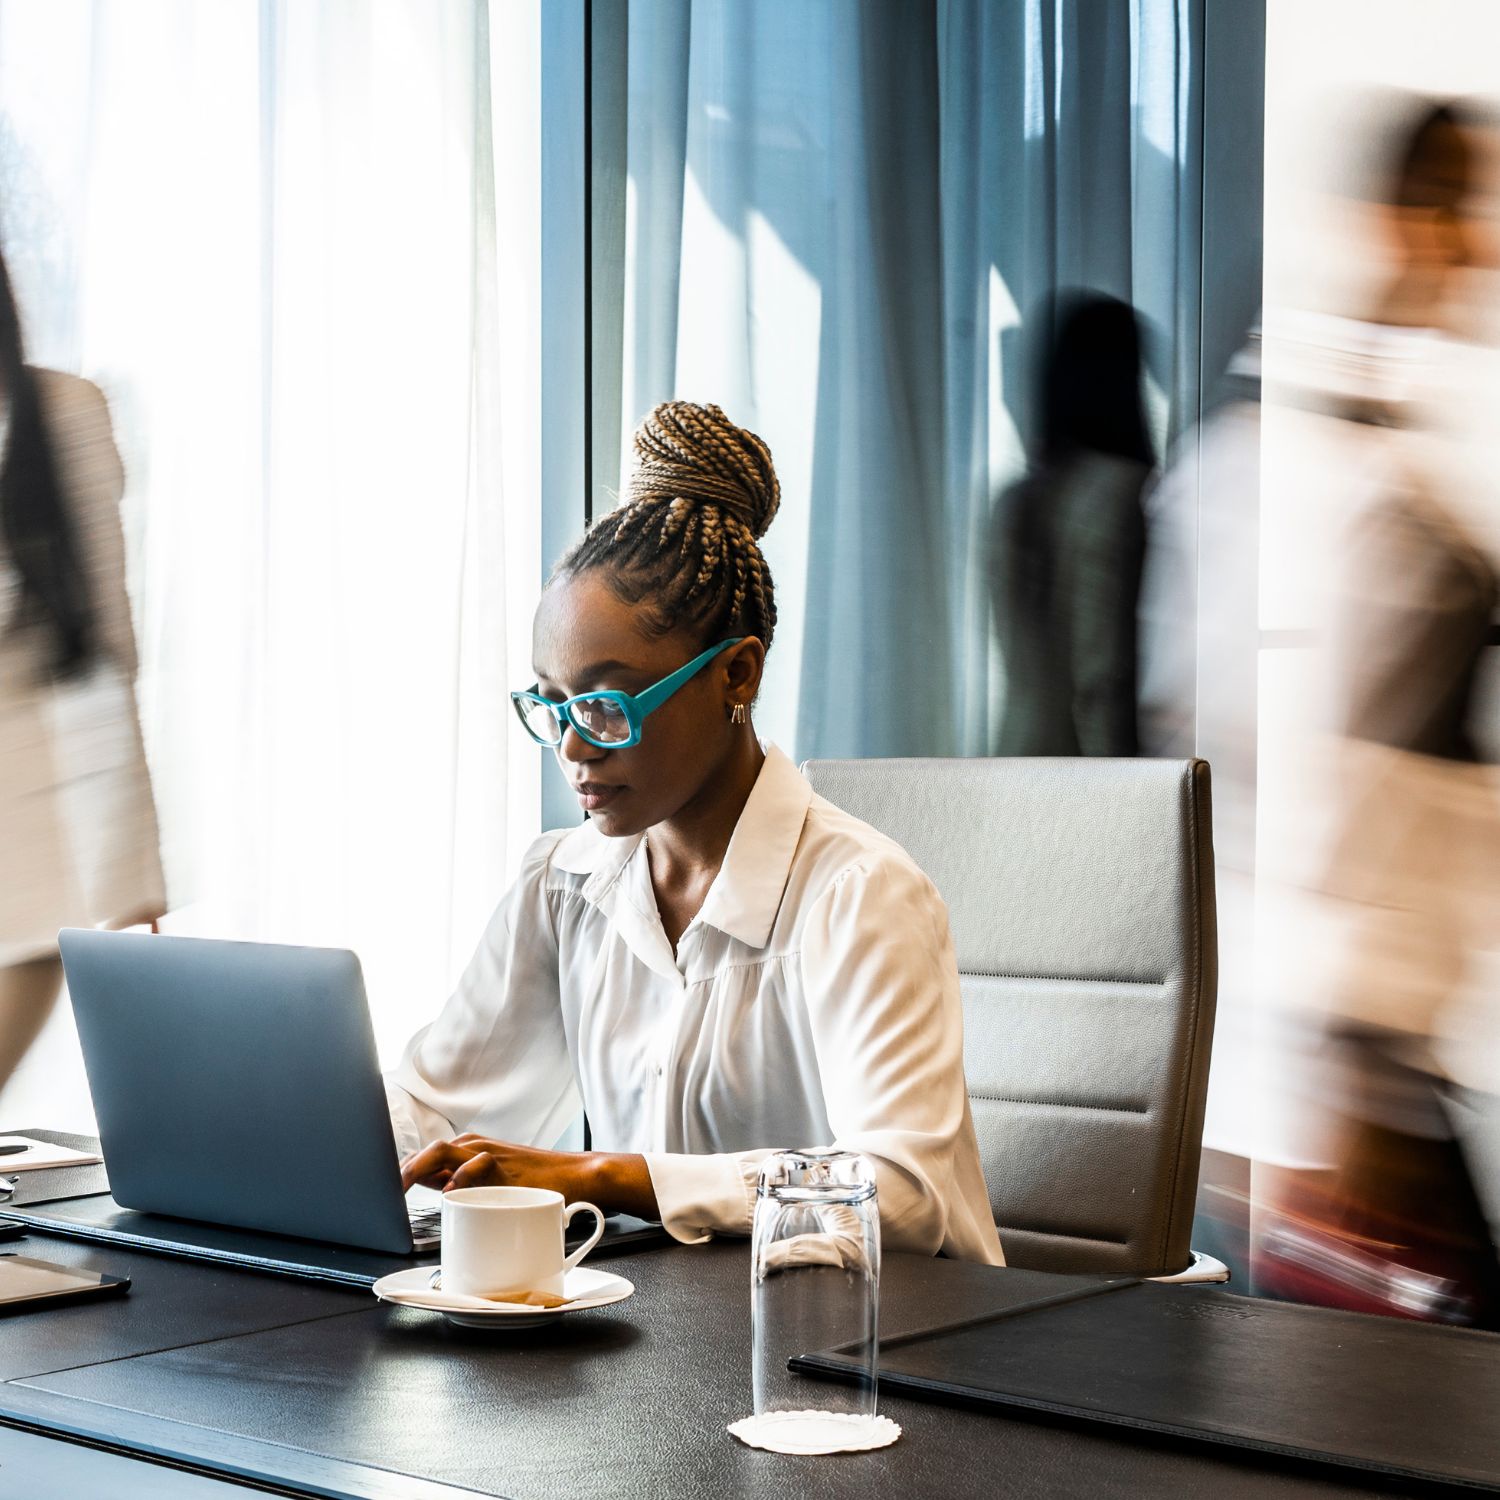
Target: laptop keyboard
[426, 1226]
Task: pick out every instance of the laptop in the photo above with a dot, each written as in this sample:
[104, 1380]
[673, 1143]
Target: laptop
[237, 1084]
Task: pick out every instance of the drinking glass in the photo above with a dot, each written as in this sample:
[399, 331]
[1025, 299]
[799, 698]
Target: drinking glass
[815, 1283]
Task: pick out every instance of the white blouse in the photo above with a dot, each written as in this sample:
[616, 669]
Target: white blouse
[812, 1001]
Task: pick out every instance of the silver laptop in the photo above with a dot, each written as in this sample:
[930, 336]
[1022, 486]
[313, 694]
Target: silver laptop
[237, 1083]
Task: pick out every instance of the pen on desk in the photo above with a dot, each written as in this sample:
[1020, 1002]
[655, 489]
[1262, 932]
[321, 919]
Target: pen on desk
[14, 1147]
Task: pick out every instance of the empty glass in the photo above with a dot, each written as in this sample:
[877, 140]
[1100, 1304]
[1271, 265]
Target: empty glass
[815, 1279]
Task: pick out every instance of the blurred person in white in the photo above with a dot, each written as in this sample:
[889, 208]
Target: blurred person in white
[1404, 900]
[1068, 540]
[719, 963]
[78, 833]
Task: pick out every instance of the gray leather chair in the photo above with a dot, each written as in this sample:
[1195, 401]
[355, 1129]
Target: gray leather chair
[1081, 894]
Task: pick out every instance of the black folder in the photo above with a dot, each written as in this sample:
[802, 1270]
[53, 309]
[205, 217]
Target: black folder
[1407, 1399]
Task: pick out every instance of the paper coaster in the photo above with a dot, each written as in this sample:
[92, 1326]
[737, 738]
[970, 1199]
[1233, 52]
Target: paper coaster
[815, 1432]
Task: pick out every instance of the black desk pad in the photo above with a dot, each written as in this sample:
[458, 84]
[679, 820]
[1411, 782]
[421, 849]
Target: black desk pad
[1378, 1394]
[627, 1402]
[100, 1220]
[171, 1303]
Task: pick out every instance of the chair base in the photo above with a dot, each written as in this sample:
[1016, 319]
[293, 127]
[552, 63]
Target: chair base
[1202, 1268]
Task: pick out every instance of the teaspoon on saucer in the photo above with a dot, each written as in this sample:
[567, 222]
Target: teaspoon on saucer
[544, 1301]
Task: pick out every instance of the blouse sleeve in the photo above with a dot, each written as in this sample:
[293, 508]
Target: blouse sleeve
[496, 1059]
[881, 987]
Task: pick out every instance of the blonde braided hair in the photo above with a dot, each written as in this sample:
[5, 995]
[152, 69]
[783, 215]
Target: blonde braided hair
[685, 539]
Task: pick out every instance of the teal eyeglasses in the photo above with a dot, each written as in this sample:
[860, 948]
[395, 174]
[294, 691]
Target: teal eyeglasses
[608, 719]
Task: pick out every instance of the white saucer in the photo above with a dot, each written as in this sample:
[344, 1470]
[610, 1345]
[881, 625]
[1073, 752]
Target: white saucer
[587, 1287]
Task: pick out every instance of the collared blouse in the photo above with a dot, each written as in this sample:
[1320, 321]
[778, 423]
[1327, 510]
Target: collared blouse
[812, 1001]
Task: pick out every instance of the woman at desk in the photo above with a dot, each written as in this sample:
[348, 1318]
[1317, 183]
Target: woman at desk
[718, 963]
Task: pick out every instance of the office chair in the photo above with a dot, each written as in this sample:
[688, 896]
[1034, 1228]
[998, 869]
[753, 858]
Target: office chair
[1081, 895]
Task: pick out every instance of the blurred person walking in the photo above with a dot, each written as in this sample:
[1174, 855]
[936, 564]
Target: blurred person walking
[1406, 899]
[78, 833]
[1068, 541]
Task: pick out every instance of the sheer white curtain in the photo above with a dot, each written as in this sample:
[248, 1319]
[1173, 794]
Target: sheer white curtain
[296, 244]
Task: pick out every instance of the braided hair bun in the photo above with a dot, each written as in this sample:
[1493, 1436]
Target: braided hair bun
[685, 540]
[692, 453]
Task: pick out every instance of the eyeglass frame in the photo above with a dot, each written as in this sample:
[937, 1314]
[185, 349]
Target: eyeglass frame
[636, 707]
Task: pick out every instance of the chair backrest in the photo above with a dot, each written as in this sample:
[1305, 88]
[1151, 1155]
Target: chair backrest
[1081, 896]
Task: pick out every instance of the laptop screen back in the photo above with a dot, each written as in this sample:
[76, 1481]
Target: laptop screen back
[237, 1083]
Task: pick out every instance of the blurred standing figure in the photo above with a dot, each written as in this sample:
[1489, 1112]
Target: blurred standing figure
[1407, 897]
[1067, 545]
[78, 835]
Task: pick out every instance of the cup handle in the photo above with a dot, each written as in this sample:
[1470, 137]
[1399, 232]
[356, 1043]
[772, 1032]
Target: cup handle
[591, 1241]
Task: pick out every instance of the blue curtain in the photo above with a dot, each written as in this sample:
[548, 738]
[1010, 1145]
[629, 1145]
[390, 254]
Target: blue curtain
[838, 219]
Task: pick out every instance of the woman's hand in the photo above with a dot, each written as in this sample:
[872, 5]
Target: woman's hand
[477, 1161]
[615, 1182]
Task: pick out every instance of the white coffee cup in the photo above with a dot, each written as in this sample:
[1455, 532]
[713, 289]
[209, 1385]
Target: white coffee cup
[502, 1241]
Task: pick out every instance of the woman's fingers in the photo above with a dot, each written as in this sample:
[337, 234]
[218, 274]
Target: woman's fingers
[447, 1164]
[481, 1170]
[425, 1165]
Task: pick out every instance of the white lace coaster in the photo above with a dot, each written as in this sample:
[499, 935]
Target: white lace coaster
[815, 1432]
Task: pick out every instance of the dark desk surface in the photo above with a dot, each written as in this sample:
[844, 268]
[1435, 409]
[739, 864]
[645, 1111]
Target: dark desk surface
[333, 1392]
[170, 1303]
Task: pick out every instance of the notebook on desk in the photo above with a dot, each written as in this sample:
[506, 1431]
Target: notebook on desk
[1407, 1399]
[71, 1181]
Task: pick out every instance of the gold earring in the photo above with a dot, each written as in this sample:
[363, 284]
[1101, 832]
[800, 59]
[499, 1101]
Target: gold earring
[739, 714]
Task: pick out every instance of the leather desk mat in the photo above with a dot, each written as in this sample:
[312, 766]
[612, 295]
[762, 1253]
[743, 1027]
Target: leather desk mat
[1404, 1399]
[627, 1402]
[171, 1304]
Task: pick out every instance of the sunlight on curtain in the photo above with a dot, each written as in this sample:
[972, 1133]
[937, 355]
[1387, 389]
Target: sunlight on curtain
[296, 244]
